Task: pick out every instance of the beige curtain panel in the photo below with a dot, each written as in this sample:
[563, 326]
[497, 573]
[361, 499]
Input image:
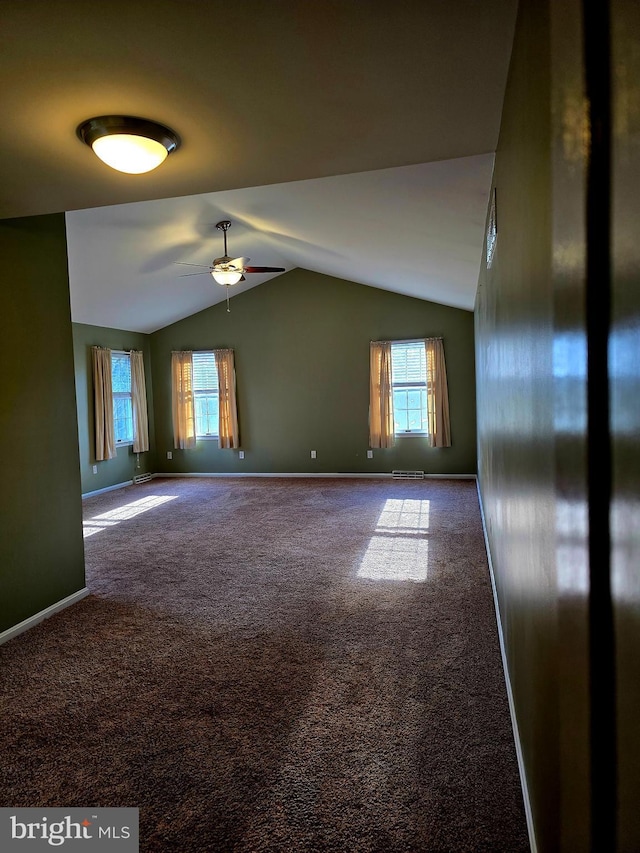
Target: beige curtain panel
[184, 422]
[139, 400]
[103, 403]
[381, 432]
[437, 394]
[228, 411]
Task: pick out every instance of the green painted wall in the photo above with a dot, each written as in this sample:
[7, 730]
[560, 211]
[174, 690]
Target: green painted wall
[301, 345]
[123, 467]
[516, 442]
[41, 550]
[531, 346]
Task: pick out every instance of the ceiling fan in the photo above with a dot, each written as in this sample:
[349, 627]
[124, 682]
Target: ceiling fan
[226, 270]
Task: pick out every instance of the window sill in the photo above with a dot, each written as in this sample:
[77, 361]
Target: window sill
[412, 435]
[207, 438]
[124, 443]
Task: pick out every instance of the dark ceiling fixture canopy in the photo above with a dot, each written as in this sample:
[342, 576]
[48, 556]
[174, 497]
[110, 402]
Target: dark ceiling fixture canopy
[128, 143]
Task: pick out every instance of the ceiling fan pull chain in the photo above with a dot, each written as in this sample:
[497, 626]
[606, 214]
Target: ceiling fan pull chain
[226, 287]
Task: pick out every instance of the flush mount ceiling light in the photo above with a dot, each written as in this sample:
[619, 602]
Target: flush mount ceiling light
[129, 144]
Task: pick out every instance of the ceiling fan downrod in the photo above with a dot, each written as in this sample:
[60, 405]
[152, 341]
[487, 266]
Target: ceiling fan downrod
[224, 226]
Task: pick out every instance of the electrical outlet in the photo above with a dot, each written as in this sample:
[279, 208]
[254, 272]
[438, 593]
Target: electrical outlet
[369, 454]
[241, 454]
[95, 469]
[313, 454]
[169, 454]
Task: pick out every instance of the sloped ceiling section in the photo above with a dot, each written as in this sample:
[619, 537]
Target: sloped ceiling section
[266, 96]
[416, 230]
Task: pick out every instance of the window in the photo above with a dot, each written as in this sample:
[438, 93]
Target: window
[409, 383]
[122, 402]
[205, 394]
[408, 392]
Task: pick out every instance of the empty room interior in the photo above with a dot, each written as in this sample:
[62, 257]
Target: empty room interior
[320, 507]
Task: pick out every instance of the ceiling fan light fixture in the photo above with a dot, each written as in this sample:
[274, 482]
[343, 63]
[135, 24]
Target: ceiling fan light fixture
[227, 270]
[129, 144]
[226, 277]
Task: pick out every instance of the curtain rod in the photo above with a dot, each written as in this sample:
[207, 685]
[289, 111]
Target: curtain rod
[408, 341]
[116, 351]
[214, 349]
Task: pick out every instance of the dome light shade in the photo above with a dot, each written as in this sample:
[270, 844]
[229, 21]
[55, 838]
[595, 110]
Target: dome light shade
[128, 153]
[226, 277]
[129, 144]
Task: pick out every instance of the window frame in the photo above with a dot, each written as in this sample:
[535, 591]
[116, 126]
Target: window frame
[122, 395]
[421, 385]
[208, 391]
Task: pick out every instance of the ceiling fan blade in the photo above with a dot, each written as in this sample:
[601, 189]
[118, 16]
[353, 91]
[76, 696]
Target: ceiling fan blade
[264, 269]
[187, 274]
[183, 264]
[239, 262]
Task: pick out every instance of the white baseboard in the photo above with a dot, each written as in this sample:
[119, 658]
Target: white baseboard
[384, 475]
[263, 474]
[512, 707]
[107, 489]
[10, 633]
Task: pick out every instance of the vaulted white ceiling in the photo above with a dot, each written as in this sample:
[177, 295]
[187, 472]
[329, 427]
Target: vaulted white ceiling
[354, 139]
[416, 230]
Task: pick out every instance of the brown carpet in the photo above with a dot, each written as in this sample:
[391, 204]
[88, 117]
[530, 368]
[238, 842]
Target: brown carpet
[274, 665]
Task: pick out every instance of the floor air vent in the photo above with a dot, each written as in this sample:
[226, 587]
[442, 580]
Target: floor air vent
[141, 478]
[408, 475]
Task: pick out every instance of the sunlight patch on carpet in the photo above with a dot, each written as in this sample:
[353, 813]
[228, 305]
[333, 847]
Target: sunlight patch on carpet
[123, 513]
[399, 547]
